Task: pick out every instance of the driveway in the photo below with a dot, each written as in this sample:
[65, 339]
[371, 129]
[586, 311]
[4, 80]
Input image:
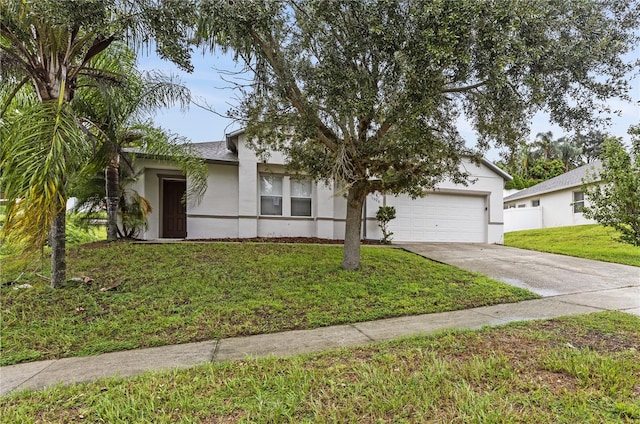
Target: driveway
[582, 281]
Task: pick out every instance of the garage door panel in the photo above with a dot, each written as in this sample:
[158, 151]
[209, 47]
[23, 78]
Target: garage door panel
[439, 217]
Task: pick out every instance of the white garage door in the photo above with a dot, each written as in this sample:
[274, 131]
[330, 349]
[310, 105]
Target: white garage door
[439, 217]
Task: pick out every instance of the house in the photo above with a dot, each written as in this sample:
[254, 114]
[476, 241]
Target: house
[248, 197]
[557, 202]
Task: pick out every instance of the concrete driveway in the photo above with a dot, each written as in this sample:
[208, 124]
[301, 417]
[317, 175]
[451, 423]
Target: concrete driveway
[581, 281]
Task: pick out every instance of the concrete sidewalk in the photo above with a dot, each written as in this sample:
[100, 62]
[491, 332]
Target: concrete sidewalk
[619, 293]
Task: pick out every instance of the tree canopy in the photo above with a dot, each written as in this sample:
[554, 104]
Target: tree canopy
[613, 192]
[543, 159]
[51, 46]
[369, 94]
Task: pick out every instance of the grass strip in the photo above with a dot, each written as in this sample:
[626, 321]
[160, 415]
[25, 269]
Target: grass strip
[583, 241]
[184, 292]
[578, 369]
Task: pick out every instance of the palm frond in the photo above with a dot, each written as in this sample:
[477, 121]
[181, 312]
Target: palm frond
[41, 146]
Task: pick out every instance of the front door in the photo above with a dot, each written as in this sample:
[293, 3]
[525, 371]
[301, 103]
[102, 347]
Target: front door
[174, 211]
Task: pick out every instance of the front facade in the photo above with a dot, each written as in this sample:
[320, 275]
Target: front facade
[247, 197]
[557, 202]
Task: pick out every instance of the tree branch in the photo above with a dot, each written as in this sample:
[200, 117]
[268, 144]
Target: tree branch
[463, 89]
[325, 134]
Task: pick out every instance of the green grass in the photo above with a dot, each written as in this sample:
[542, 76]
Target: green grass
[584, 241]
[571, 370]
[13, 261]
[177, 293]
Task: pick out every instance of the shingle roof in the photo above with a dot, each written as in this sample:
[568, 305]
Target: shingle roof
[215, 151]
[210, 151]
[569, 179]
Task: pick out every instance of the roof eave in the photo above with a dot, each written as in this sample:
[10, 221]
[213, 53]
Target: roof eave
[496, 169]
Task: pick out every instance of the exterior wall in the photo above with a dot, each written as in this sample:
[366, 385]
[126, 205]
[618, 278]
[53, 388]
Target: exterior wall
[248, 189]
[216, 216]
[231, 204]
[325, 211]
[325, 206]
[556, 210]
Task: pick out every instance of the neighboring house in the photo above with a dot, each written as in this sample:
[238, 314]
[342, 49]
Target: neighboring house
[557, 202]
[248, 197]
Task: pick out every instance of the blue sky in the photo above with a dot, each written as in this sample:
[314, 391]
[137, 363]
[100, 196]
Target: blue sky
[210, 83]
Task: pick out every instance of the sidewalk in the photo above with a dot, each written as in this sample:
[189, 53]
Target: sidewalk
[41, 374]
[623, 294]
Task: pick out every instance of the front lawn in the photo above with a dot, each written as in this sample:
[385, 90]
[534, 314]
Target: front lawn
[184, 292]
[584, 241]
[581, 369]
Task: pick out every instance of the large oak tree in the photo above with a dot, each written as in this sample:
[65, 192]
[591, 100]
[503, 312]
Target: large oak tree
[370, 94]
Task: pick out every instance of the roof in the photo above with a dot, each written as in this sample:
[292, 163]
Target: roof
[210, 151]
[569, 179]
[215, 151]
[232, 140]
[496, 169]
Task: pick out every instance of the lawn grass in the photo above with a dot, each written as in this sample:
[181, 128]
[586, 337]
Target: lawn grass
[185, 292]
[581, 369]
[584, 241]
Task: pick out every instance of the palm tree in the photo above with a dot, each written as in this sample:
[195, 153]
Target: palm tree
[50, 45]
[544, 146]
[568, 153]
[117, 117]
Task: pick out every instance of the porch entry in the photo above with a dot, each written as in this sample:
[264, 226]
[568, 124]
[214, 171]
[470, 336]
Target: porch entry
[174, 210]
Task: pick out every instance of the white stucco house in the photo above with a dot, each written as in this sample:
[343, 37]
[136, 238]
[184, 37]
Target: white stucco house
[247, 197]
[557, 202]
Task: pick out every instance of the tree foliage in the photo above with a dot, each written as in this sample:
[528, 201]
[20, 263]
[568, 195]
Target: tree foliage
[50, 45]
[384, 215]
[591, 144]
[117, 118]
[370, 93]
[543, 159]
[613, 192]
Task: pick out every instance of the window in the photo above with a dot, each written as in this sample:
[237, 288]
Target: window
[300, 197]
[535, 203]
[522, 205]
[281, 195]
[578, 201]
[270, 195]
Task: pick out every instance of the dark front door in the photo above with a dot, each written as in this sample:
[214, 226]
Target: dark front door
[174, 211]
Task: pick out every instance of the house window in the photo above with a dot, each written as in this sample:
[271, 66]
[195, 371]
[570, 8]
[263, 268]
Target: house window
[300, 197]
[578, 201]
[522, 205]
[535, 203]
[282, 195]
[270, 195]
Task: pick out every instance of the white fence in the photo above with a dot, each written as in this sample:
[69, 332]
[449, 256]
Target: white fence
[522, 219]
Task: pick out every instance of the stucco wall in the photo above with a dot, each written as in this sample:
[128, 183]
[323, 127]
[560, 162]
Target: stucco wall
[325, 206]
[231, 205]
[556, 211]
[216, 216]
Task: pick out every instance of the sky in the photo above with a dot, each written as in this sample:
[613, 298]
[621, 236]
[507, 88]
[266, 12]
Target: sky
[210, 84]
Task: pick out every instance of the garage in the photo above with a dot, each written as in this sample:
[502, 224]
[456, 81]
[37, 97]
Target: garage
[439, 217]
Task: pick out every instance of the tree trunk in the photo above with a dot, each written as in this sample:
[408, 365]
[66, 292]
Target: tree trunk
[112, 193]
[353, 227]
[57, 239]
